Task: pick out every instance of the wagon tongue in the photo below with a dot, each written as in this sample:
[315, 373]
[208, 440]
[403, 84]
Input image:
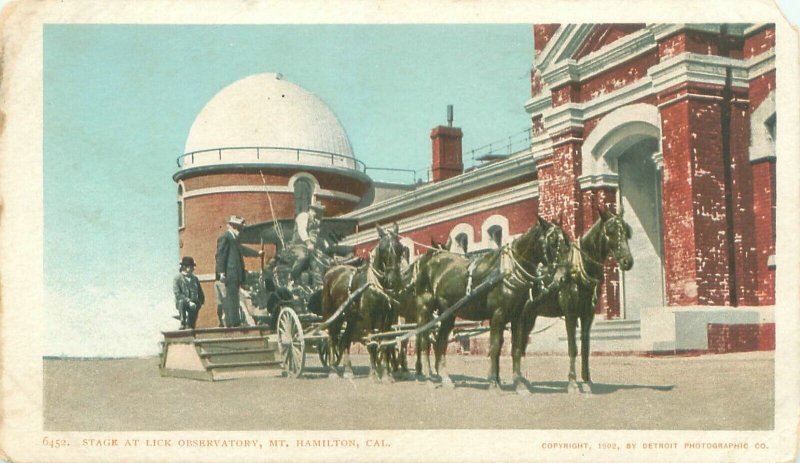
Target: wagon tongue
[347, 303]
[493, 280]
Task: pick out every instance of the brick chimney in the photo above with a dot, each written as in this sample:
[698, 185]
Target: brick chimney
[446, 142]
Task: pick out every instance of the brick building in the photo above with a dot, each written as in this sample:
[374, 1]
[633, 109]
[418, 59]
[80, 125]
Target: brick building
[672, 124]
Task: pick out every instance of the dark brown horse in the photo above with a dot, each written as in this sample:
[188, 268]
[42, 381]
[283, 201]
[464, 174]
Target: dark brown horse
[407, 307]
[525, 266]
[574, 296]
[372, 311]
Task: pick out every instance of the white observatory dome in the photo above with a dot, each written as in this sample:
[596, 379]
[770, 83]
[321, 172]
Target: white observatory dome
[265, 119]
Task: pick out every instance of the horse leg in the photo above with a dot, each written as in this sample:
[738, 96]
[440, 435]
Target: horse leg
[587, 317]
[404, 358]
[374, 362]
[518, 344]
[572, 322]
[441, 351]
[496, 329]
[344, 347]
[333, 349]
[424, 370]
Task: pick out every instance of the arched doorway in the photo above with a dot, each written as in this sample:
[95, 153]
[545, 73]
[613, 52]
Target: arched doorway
[639, 195]
[622, 152]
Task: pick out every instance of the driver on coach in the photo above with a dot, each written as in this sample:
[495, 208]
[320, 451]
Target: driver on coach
[306, 231]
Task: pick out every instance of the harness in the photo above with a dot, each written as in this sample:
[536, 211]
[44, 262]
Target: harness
[374, 277]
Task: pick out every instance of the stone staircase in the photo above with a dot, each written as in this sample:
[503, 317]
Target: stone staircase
[214, 354]
[612, 336]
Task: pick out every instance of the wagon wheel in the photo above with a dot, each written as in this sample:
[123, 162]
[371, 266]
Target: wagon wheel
[291, 343]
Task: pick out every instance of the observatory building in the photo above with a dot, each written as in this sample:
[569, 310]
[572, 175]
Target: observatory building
[674, 124]
[261, 133]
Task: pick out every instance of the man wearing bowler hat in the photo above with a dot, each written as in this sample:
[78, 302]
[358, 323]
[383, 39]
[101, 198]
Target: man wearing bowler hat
[230, 270]
[189, 295]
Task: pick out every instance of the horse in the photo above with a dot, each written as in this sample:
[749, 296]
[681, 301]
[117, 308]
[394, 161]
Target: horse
[407, 304]
[370, 312]
[525, 265]
[574, 296]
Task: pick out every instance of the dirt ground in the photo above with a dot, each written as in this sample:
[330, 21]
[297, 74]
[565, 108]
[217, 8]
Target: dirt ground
[719, 392]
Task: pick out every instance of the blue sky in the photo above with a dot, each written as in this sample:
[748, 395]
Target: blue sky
[119, 102]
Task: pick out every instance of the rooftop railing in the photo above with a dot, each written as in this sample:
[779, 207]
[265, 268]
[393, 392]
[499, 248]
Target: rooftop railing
[472, 159]
[268, 154]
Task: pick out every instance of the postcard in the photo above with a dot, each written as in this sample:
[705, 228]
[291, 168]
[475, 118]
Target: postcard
[399, 231]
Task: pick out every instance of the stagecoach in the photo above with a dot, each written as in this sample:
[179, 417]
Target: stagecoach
[294, 317]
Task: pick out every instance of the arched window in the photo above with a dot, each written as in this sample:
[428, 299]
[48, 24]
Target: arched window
[770, 123]
[303, 190]
[180, 206]
[462, 242]
[495, 235]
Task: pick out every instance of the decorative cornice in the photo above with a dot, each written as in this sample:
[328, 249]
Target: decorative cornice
[658, 160]
[511, 195]
[252, 167]
[588, 182]
[271, 189]
[754, 28]
[539, 103]
[559, 38]
[661, 31]
[515, 166]
[692, 67]
[610, 56]
[563, 117]
[760, 64]
[541, 146]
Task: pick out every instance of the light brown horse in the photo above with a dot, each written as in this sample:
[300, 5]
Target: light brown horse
[527, 264]
[575, 296]
[371, 312]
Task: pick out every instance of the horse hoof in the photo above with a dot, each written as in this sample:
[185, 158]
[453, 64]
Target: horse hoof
[448, 383]
[586, 388]
[333, 375]
[523, 390]
[573, 388]
[348, 375]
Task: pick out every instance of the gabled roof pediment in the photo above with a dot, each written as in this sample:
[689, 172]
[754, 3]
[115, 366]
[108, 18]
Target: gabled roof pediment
[575, 41]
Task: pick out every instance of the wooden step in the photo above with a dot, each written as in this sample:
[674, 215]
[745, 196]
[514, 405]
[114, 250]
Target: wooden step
[206, 355]
[201, 342]
[259, 363]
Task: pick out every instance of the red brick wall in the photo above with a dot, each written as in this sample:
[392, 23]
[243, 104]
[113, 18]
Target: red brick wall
[605, 34]
[760, 88]
[520, 215]
[446, 153]
[542, 33]
[425, 206]
[744, 231]
[275, 177]
[702, 43]
[740, 337]
[558, 188]
[764, 193]
[759, 41]
[678, 211]
[205, 216]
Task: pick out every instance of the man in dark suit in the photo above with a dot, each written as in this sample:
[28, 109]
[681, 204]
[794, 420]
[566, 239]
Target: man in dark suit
[230, 269]
[189, 295]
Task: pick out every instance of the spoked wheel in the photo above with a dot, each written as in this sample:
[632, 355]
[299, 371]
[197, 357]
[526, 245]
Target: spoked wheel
[291, 342]
[324, 353]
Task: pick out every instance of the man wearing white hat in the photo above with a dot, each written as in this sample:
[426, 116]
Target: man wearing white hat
[230, 270]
